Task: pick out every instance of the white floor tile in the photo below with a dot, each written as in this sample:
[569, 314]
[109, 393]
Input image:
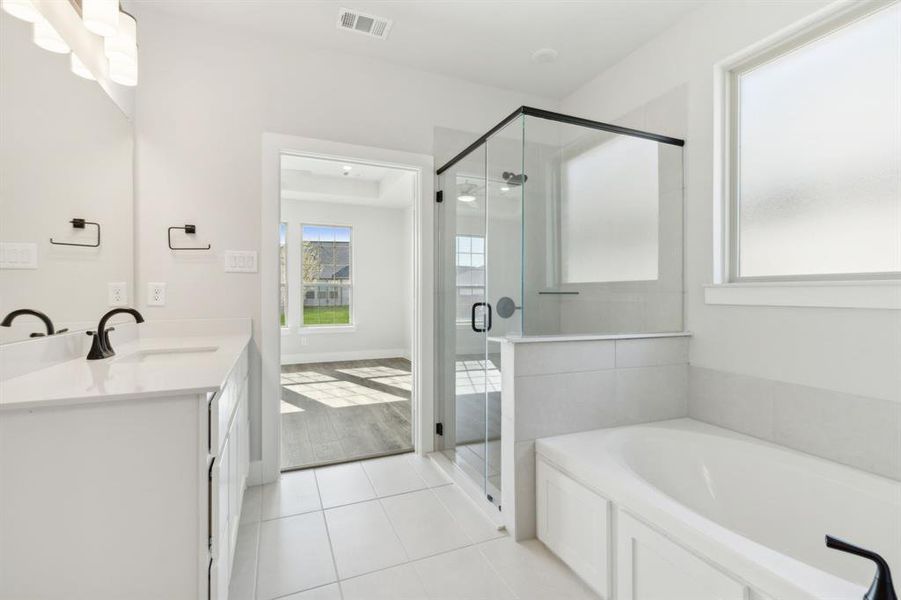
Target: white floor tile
[396, 583]
[532, 572]
[326, 592]
[393, 475]
[343, 484]
[423, 525]
[474, 524]
[294, 493]
[363, 539]
[294, 556]
[431, 473]
[461, 574]
[244, 564]
[250, 506]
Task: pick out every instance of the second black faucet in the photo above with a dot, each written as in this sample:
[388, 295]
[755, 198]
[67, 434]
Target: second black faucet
[101, 347]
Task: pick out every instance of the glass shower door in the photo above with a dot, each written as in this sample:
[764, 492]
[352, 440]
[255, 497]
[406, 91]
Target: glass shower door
[464, 312]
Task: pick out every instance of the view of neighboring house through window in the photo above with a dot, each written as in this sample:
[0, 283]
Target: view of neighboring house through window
[816, 155]
[283, 273]
[470, 273]
[327, 288]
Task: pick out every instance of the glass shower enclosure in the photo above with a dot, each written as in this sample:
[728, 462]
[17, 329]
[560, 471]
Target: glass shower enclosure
[547, 225]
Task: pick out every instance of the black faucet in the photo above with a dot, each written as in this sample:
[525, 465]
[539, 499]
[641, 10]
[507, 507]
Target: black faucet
[8, 321]
[101, 347]
[881, 588]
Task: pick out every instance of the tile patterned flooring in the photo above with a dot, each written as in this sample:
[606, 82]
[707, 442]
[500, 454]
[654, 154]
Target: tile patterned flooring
[392, 528]
[340, 411]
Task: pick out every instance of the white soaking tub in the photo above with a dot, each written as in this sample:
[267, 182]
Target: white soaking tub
[682, 509]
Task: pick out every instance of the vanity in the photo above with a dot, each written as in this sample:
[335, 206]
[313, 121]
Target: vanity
[124, 477]
[120, 477]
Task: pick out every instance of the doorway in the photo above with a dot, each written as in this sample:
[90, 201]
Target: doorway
[345, 310]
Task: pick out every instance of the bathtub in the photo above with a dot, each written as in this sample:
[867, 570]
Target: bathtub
[747, 511]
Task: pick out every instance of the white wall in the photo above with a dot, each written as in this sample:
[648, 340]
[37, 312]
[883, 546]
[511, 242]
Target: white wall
[381, 273]
[205, 98]
[854, 351]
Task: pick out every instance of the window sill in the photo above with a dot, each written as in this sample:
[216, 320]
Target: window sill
[318, 329]
[877, 294]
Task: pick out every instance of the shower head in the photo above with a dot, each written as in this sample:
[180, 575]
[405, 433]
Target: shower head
[514, 178]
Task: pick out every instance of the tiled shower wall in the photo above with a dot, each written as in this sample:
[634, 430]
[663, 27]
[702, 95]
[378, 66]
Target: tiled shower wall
[855, 430]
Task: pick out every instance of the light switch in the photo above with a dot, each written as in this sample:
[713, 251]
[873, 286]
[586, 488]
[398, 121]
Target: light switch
[18, 255]
[240, 261]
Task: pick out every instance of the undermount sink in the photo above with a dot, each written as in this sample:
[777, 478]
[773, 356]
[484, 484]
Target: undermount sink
[163, 353]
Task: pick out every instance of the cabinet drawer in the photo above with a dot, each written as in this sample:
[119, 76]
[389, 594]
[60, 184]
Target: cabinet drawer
[223, 404]
[574, 523]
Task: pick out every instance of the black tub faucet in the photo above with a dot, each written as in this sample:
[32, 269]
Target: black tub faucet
[8, 320]
[881, 588]
[101, 347]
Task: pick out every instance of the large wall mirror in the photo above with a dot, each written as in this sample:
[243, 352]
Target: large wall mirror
[66, 174]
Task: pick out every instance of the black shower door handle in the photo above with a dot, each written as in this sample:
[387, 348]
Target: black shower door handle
[472, 320]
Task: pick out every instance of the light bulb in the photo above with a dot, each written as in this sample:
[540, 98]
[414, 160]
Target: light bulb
[79, 67]
[22, 9]
[124, 44]
[47, 38]
[101, 16]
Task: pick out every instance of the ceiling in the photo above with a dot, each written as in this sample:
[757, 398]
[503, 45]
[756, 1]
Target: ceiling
[485, 41]
[327, 180]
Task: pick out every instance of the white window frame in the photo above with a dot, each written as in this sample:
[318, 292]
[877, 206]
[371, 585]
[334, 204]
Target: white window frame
[287, 323]
[465, 321]
[850, 290]
[350, 326]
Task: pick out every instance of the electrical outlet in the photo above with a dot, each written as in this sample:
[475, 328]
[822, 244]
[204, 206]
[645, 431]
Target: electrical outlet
[156, 294]
[117, 294]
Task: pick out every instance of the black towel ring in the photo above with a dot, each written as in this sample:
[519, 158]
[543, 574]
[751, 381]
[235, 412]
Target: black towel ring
[190, 229]
[80, 224]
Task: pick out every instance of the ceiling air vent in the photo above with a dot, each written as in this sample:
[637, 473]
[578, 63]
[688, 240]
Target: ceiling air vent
[377, 27]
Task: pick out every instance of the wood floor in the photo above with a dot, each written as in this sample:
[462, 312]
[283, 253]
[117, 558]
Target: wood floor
[342, 411]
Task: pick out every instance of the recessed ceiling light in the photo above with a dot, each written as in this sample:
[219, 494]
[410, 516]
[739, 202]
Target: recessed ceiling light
[544, 55]
[347, 168]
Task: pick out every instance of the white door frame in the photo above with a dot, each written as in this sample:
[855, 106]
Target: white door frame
[274, 145]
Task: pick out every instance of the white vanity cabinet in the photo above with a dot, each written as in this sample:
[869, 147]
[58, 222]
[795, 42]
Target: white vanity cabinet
[229, 464]
[134, 494]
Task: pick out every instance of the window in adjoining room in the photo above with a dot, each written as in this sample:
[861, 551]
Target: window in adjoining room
[327, 285]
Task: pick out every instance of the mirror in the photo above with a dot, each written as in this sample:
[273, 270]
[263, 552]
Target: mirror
[66, 160]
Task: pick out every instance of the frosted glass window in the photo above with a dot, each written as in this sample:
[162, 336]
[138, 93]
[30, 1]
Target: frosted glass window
[610, 212]
[819, 156]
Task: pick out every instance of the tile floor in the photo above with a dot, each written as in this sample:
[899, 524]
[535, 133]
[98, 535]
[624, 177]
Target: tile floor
[391, 528]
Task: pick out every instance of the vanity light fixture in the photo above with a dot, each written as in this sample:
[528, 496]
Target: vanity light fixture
[101, 16]
[21, 9]
[46, 37]
[122, 51]
[79, 67]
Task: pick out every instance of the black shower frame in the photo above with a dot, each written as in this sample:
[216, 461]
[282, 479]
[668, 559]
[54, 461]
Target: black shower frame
[560, 118]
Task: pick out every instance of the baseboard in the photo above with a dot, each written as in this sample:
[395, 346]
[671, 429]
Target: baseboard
[317, 357]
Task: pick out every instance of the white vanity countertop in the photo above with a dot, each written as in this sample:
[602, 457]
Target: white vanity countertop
[532, 339]
[142, 368]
